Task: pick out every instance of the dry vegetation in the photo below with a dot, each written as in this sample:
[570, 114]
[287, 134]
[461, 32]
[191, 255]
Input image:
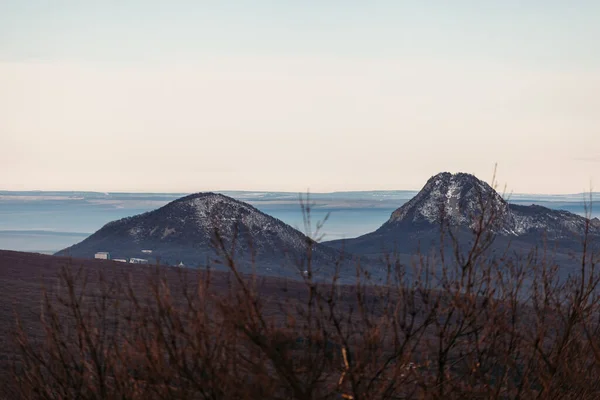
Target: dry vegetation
[469, 325]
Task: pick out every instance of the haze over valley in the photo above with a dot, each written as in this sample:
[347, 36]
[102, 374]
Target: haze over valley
[49, 221]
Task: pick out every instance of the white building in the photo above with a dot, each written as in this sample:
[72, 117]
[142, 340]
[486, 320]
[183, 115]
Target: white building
[138, 261]
[120, 260]
[147, 251]
[102, 255]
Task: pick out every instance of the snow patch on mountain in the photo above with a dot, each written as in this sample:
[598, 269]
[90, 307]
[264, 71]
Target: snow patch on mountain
[459, 199]
[186, 229]
[455, 197]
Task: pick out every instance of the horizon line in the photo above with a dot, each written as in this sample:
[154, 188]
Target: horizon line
[4, 191]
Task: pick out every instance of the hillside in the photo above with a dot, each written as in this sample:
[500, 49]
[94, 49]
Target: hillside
[185, 230]
[455, 201]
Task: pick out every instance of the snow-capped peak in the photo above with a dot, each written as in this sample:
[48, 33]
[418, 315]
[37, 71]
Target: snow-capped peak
[186, 230]
[456, 197]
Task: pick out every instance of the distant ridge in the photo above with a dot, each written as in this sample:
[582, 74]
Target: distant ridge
[456, 200]
[184, 231]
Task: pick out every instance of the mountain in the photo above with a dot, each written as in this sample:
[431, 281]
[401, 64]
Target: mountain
[184, 231]
[457, 201]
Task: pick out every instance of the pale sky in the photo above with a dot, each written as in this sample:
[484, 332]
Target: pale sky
[185, 96]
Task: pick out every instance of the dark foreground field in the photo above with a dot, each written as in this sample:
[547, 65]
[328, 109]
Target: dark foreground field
[24, 276]
[476, 326]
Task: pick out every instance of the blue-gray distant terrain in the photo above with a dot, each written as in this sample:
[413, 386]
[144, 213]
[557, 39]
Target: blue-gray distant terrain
[455, 201]
[50, 221]
[206, 229]
[184, 229]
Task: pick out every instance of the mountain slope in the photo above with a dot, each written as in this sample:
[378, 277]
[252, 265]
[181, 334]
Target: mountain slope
[457, 200]
[184, 231]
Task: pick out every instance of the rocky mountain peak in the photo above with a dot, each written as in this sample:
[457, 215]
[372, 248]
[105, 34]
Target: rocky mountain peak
[456, 196]
[457, 199]
[184, 231]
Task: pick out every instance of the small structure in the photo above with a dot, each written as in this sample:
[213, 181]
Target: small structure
[147, 251]
[102, 255]
[138, 261]
[120, 260]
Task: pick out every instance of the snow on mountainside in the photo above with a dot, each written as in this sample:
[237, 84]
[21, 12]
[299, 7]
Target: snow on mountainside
[457, 200]
[457, 197]
[460, 198]
[199, 215]
[184, 230]
[554, 223]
